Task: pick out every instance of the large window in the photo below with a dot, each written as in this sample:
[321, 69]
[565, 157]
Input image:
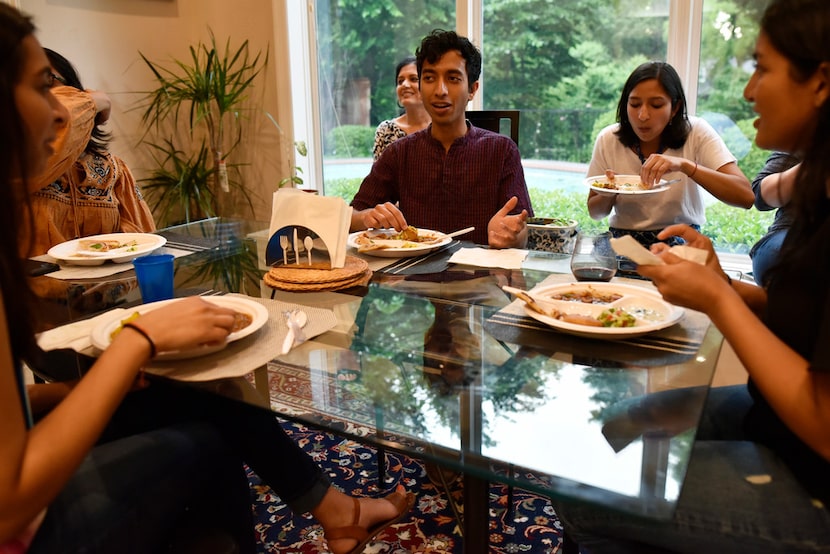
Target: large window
[561, 63]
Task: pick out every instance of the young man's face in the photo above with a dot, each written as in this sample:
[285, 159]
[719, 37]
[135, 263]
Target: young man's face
[445, 88]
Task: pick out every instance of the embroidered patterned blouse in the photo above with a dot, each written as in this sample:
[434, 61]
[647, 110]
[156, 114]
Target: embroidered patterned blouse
[97, 195]
[387, 132]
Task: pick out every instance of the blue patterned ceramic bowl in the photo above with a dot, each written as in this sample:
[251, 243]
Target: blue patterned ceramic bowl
[551, 234]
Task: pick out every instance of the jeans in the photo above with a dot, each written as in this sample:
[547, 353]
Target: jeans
[171, 450]
[134, 493]
[252, 433]
[719, 510]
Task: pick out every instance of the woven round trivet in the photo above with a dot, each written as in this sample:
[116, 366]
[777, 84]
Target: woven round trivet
[354, 281]
[353, 267]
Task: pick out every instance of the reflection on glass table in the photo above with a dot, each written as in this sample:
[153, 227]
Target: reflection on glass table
[444, 367]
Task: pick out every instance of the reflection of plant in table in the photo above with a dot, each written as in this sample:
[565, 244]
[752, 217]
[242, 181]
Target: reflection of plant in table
[232, 265]
[397, 332]
[392, 333]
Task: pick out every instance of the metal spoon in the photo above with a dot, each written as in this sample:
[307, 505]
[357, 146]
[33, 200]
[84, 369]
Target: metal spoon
[284, 245]
[308, 242]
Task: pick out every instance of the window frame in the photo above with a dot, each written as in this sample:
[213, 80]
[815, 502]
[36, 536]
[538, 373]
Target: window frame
[685, 20]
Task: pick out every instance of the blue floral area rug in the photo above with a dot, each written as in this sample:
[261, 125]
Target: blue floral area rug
[524, 523]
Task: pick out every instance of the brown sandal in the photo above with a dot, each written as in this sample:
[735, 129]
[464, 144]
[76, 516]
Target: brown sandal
[403, 503]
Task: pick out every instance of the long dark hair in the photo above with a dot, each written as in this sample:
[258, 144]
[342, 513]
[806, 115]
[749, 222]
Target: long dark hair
[439, 42]
[677, 131]
[800, 31]
[409, 60]
[17, 297]
[99, 141]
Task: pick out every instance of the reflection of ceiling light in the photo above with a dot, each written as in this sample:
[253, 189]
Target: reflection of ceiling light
[700, 359]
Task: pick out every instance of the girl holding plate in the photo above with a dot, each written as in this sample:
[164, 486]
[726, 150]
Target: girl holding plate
[757, 479]
[656, 140]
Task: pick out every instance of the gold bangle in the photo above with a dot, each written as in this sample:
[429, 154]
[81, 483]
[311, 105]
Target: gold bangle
[692, 174]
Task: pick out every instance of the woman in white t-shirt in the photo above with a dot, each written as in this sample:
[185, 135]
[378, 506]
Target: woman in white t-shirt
[655, 139]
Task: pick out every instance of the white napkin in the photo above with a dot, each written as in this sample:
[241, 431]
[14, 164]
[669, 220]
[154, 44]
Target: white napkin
[508, 258]
[629, 247]
[76, 336]
[328, 216]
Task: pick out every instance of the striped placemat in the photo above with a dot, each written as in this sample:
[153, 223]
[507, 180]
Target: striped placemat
[434, 262]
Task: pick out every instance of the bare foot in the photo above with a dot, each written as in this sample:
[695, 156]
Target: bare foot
[373, 513]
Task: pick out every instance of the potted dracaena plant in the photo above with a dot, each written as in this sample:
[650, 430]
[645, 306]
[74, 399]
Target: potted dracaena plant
[196, 109]
[200, 103]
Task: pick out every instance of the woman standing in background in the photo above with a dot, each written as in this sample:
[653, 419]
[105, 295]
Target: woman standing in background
[414, 118]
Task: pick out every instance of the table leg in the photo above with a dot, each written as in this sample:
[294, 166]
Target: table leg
[476, 515]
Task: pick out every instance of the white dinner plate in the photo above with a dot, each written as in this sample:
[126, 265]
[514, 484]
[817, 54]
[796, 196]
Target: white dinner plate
[623, 180]
[650, 310]
[399, 248]
[70, 252]
[259, 314]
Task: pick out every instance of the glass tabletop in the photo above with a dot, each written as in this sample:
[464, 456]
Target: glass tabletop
[436, 361]
[426, 365]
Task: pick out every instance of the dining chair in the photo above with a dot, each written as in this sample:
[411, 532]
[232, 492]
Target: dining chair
[496, 120]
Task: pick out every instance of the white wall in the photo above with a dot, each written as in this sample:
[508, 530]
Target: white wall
[103, 38]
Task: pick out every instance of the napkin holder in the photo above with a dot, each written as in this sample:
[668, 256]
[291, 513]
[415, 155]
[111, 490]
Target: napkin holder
[299, 220]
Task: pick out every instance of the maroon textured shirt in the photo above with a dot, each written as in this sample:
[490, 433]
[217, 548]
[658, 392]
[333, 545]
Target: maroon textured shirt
[448, 191]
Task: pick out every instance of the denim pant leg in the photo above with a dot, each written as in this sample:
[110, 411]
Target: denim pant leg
[719, 511]
[252, 432]
[130, 495]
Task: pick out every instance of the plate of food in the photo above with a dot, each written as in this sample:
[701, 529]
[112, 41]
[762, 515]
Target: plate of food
[389, 243]
[114, 247]
[250, 317]
[624, 184]
[602, 310]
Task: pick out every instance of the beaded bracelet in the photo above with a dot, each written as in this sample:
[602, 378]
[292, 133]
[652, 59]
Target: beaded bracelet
[145, 334]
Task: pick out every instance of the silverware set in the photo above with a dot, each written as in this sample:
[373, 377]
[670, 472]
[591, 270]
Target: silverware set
[306, 245]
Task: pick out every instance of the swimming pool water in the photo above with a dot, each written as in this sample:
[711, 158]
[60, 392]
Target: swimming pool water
[545, 178]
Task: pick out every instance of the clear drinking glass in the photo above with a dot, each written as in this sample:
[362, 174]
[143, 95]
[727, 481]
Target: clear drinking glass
[593, 259]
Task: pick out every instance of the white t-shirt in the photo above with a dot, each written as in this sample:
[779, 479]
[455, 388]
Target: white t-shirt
[682, 203]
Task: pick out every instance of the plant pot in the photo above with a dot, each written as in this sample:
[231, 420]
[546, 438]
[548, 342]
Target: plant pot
[551, 234]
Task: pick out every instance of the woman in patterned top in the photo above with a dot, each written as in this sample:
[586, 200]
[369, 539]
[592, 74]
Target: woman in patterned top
[414, 118]
[96, 194]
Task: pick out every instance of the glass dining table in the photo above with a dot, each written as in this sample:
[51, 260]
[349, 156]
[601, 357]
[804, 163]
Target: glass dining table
[436, 361]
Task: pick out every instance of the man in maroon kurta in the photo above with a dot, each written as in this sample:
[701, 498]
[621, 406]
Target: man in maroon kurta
[450, 175]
